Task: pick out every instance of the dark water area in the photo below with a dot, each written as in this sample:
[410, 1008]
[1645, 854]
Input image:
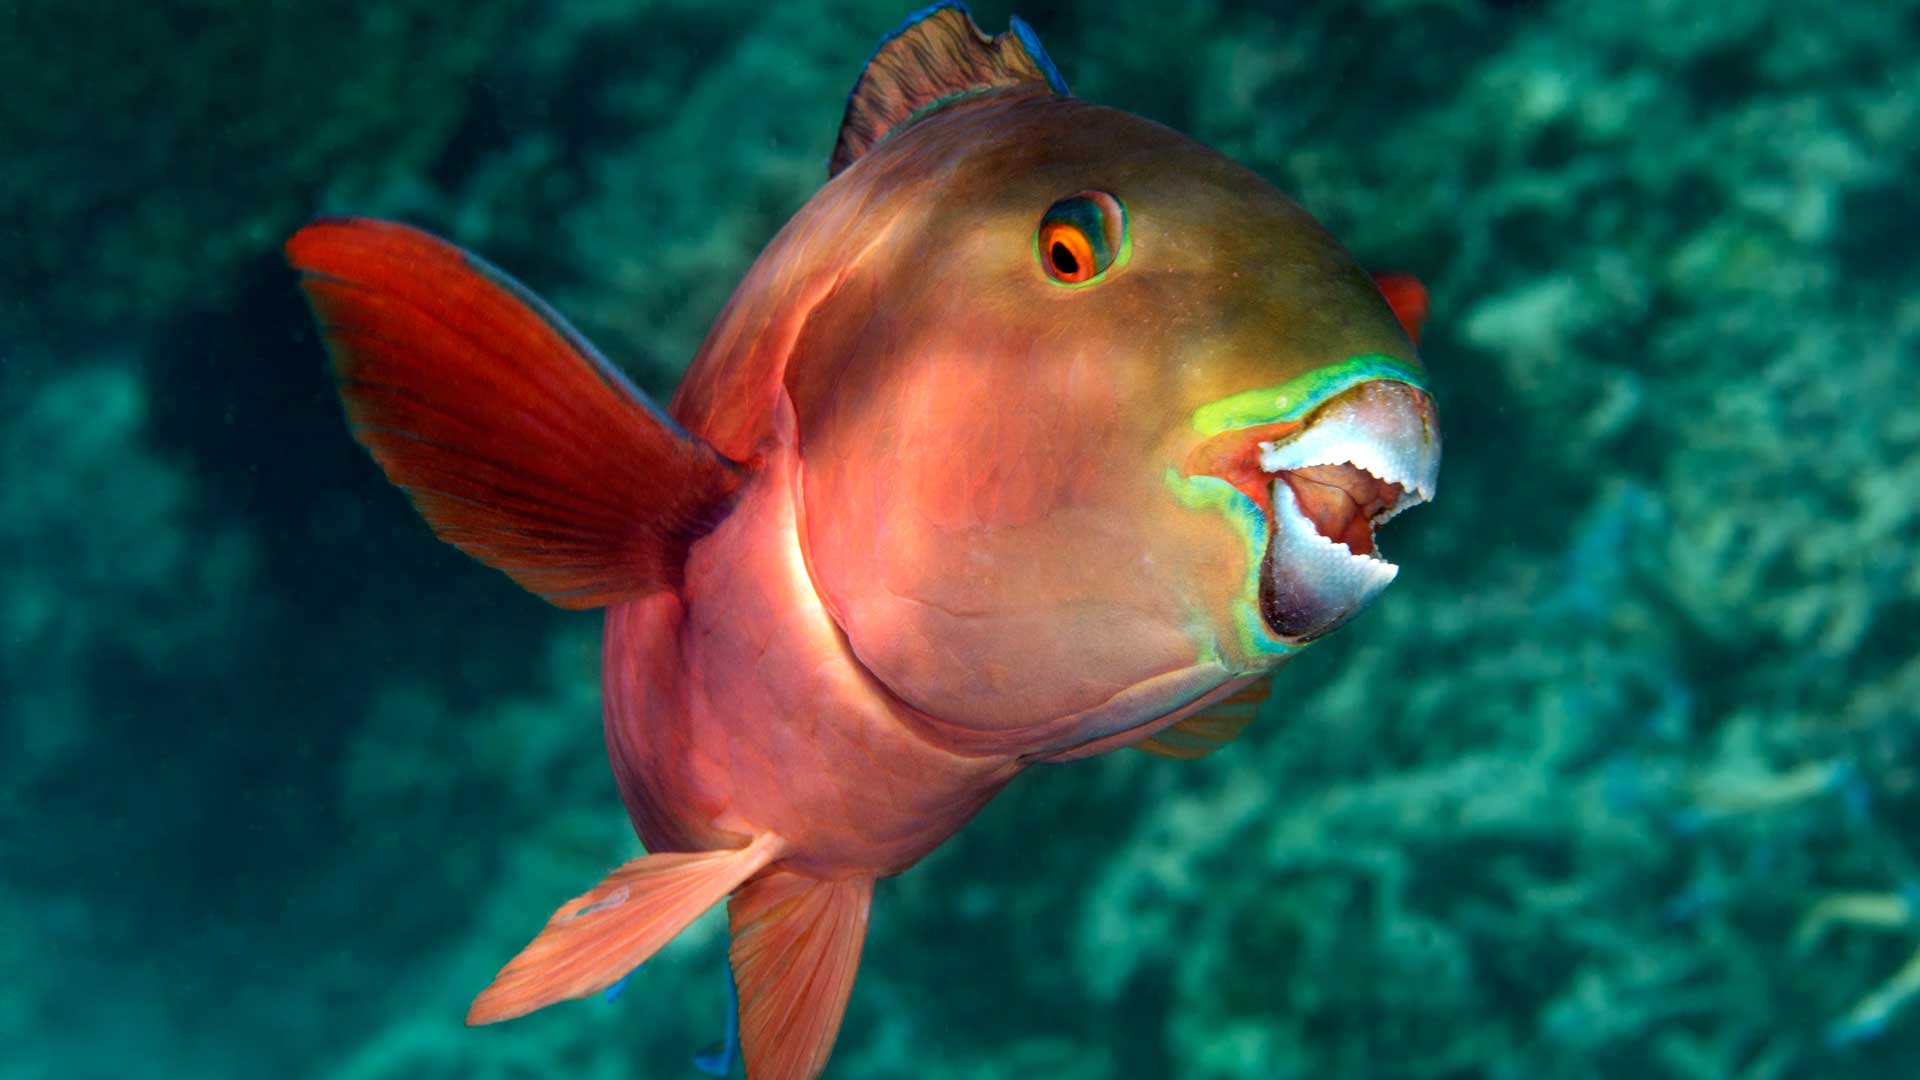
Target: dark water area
[1617, 780]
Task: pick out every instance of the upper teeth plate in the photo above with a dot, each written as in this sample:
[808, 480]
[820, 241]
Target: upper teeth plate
[1383, 428]
[1310, 584]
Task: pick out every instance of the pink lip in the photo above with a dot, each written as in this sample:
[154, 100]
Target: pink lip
[1234, 456]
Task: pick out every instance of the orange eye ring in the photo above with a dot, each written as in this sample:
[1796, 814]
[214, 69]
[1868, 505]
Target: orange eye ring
[1066, 253]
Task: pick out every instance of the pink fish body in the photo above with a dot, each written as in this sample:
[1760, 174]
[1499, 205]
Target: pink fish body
[1041, 430]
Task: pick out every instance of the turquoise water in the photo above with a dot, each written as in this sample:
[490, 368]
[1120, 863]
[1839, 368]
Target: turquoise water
[1617, 780]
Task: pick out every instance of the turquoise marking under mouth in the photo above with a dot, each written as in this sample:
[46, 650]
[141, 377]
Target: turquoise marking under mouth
[1300, 395]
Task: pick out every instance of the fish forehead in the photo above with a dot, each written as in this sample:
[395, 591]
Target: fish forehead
[1231, 288]
[988, 158]
[939, 219]
[1221, 261]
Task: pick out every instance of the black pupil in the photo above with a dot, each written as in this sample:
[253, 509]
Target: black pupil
[1063, 260]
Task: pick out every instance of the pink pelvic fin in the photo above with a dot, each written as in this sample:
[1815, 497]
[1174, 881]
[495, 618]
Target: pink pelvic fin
[596, 938]
[796, 947]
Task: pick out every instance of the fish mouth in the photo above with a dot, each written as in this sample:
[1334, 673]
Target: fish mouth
[1327, 483]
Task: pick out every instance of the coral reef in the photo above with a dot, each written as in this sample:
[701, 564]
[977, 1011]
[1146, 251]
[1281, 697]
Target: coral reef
[1617, 780]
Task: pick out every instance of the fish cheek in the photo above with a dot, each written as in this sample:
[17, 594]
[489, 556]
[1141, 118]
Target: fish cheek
[973, 518]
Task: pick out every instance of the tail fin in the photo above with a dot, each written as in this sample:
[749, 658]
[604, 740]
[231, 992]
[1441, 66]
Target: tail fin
[796, 947]
[598, 937]
[518, 442]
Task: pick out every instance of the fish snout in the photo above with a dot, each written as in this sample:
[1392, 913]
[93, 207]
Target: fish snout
[1326, 481]
[1357, 462]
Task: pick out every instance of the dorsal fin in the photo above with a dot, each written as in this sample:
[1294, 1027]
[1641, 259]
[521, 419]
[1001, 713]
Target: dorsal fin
[938, 55]
[1211, 728]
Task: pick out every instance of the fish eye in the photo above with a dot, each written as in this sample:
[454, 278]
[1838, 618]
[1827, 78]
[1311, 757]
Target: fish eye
[1082, 237]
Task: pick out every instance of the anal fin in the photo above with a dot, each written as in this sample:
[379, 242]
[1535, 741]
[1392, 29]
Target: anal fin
[796, 948]
[599, 936]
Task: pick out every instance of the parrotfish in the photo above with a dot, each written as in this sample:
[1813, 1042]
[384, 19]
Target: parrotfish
[1041, 430]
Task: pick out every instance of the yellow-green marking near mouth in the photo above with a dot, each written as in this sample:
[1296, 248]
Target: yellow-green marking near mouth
[1210, 493]
[1301, 394]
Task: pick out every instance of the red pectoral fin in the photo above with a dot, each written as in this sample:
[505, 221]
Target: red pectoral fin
[1408, 299]
[518, 442]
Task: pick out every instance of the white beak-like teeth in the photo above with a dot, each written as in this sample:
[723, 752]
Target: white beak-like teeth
[1383, 428]
[1320, 579]
[1341, 575]
[1309, 584]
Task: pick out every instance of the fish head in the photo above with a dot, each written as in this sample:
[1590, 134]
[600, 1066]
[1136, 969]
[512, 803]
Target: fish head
[1092, 421]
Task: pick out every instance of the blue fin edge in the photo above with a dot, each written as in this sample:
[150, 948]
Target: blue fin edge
[1031, 42]
[718, 1060]
[609, 372]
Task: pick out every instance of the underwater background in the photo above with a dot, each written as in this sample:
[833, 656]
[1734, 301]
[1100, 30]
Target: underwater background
[1618, 780]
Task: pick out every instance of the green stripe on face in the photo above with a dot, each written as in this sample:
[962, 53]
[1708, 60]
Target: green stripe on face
[1300, 395]
[1203, 492]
